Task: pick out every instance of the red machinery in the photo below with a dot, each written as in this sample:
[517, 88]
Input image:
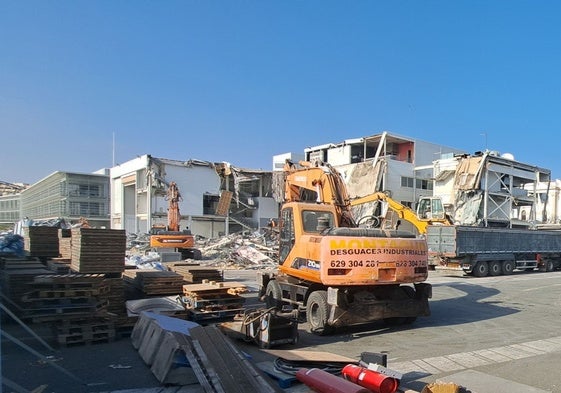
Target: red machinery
[171, 236]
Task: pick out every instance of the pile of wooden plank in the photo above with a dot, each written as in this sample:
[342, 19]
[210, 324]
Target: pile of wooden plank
[154, 282]
[195, 274]
[213, 301]
[41, 241]
[98, 250]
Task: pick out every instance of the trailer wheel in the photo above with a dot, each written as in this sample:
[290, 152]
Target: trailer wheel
[508, 267]
[481, 269]
[495, 268]
[317, 311]
[273, 295]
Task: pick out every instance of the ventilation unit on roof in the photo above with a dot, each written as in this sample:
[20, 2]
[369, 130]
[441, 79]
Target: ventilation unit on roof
[508, 156]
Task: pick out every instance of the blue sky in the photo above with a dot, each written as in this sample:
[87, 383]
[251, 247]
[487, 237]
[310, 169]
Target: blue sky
[241, 81]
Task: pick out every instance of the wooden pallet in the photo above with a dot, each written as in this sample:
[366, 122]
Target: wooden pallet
[284, 380]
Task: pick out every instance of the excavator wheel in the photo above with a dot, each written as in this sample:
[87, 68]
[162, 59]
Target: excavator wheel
[273, 295]
[317, 312]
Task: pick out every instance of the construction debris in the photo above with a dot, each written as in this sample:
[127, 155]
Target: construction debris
[184, 352]
[242, 250]
[213, 301]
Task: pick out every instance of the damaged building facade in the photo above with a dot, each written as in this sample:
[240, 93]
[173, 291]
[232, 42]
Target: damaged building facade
[399, 165]
[216, 199]
[493, 190]
[483, 189]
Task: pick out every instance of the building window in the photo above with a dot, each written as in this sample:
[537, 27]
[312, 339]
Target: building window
[423, 184]
[210, 203]
[420, 184]
[407, 182]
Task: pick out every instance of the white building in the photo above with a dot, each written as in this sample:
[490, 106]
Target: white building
[399, 165]
[139, 186]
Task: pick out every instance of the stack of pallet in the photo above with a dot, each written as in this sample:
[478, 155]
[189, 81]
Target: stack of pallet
[56, 296]
[213, 301]
[98, 250]
[41, 241]
[154, 282]
[195, 274]
[17, 275]
[84, 330]
[75, 306]
[103, 251]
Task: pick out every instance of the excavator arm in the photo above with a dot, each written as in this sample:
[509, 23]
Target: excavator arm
[173, 197]
[408, 214]
[320, 184]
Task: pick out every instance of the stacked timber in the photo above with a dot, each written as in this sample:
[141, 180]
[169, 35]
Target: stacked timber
[41, 241]
[154, 282]
[98, 250]
[196, 274]
[65, 243]
[16, 276]
[213, 301]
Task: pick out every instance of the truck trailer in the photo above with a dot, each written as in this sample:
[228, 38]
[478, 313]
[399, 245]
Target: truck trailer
[482, 251]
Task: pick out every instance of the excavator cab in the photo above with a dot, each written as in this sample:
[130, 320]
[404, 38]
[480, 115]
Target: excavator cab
[430, 208]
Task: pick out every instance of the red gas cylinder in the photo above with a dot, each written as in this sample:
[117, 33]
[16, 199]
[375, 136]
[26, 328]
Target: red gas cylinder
[323, 382]
[370, 379]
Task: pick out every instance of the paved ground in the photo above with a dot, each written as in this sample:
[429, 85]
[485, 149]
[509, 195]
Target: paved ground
[507, 328]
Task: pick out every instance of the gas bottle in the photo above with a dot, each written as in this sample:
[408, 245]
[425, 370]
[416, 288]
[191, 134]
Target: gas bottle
[370, 379]
[323, 382]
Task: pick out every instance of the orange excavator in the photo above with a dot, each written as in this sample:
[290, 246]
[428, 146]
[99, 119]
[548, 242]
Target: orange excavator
[336, 272]
[171, 237]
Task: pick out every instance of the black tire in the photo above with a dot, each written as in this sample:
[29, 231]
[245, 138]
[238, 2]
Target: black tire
[508, 267]
[369, 221]
[273, 295]
[495, 268]
[411, 293]
[317, 312]
[481, 269]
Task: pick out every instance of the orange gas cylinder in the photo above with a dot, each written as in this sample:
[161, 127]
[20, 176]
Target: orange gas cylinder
[323, 382]
[370, 379]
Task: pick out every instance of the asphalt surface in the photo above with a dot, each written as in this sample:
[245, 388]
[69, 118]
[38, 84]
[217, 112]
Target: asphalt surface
[505, 327]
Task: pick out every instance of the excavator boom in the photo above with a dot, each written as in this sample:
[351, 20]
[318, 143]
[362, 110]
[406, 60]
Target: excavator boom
[430, 211]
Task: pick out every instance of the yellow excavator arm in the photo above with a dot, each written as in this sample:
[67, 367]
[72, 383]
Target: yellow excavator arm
[421, 220]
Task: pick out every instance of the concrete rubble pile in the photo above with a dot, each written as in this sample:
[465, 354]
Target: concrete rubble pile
[240, 251]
